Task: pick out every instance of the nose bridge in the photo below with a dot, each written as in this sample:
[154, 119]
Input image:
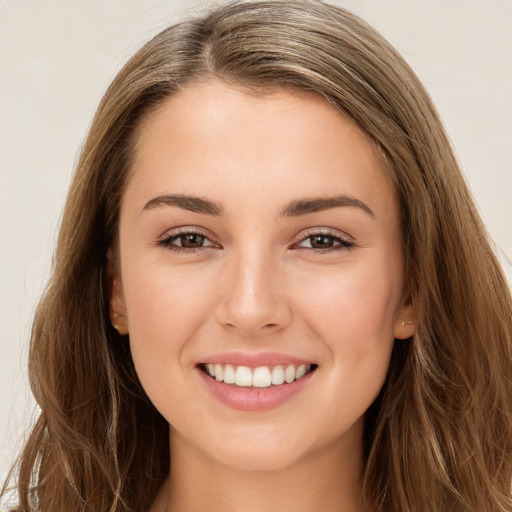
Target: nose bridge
[254, 298]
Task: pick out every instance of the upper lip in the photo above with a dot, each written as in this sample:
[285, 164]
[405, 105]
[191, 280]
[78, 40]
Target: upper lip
[254, 359]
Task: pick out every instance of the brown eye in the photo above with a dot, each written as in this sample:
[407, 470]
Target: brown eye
[321, 241]
[187, 241]
[325, 242]
[190, 241]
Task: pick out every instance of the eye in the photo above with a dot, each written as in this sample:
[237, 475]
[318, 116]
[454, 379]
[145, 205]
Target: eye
[324, 242]
[190, 240]
[186, 241]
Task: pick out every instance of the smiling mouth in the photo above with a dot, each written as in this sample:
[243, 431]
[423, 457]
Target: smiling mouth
[259, 377]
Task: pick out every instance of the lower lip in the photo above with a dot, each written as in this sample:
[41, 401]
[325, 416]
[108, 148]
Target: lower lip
[253, 399]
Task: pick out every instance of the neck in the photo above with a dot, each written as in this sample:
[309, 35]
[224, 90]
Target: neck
[329, 480]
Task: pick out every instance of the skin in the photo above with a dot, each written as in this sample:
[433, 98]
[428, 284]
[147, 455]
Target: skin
[260, 283]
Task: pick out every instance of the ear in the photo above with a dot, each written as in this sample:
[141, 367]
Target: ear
[406, 319]
[117, 307]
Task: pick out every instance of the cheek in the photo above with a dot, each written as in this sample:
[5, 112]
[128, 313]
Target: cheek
[164, 300]
[353, 314]
[165, 309]
[356, 303]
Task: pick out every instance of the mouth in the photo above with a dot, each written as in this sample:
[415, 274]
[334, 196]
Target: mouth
[256, 377]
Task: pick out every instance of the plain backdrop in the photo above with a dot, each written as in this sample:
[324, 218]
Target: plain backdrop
[58, 56]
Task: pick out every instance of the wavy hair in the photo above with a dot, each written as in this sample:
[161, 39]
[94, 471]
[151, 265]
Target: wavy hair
[439, 436]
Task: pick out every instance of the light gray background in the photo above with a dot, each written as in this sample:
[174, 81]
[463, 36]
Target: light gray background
[58, 56]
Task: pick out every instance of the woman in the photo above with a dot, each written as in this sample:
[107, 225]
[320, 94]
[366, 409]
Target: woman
[272, 289]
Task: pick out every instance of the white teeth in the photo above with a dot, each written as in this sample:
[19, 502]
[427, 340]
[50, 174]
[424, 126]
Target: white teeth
[260, 377]
[289, 374]
[277, 375]
[301, 371]
[219, 372]
[229, 374]
[243, 376]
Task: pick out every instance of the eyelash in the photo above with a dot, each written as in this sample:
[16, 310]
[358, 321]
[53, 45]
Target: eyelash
[340, 242]
[167, 242]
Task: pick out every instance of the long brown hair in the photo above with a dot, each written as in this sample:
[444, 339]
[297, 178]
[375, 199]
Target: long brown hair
[439, 437]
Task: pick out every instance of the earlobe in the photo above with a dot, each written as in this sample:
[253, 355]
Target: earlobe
[406, 321]
[117, 307]
[405, 326]
[405, 329]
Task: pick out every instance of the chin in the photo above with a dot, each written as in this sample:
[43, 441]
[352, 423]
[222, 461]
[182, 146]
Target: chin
[259, 459]
[263, 449]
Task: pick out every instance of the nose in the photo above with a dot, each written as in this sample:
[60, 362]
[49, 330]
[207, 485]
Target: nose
[254, 300]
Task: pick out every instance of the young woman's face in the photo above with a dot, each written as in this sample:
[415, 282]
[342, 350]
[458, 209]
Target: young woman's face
[259, 238]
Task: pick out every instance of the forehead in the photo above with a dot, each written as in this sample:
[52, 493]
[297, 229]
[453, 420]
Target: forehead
[217, 140]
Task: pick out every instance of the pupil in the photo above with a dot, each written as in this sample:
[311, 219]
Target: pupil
[192, 241]
[321, 242]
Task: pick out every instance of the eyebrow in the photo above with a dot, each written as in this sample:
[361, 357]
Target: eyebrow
[191, 203]
[318, 204]
[295, 208]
